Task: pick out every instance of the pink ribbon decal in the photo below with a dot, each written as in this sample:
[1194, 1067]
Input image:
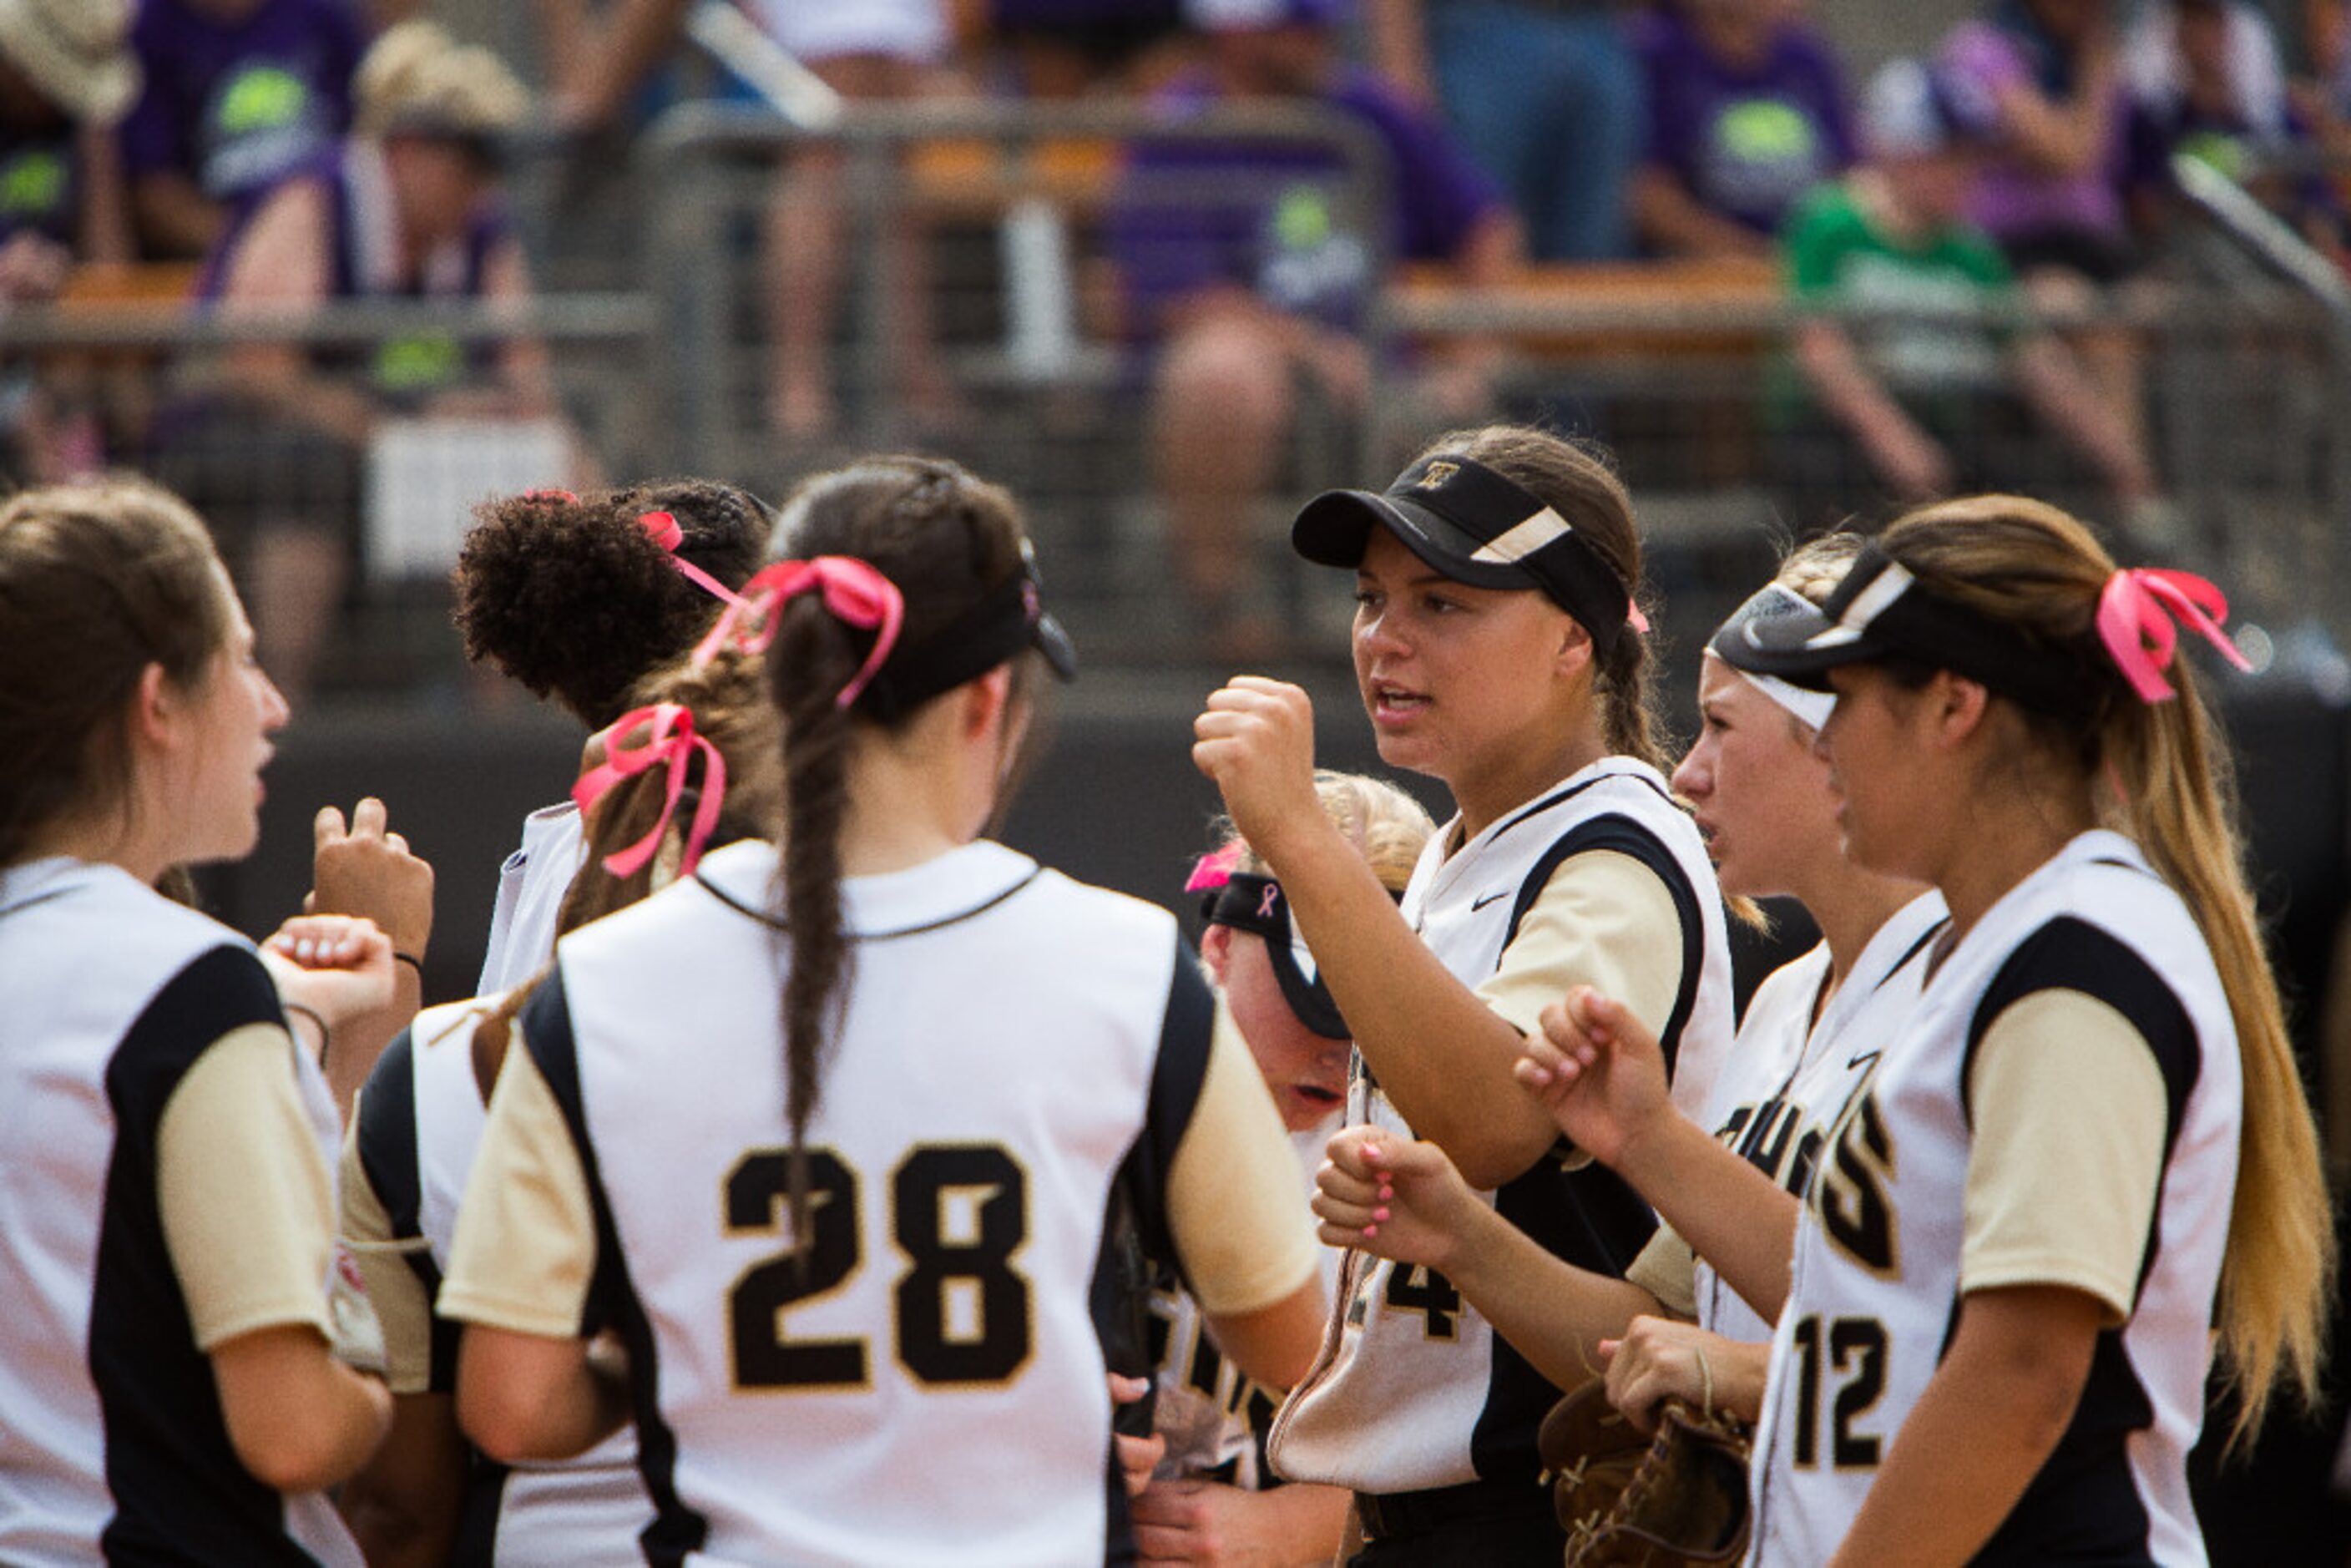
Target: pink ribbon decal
[665, 529]
[667, 739]
[854, 593]
[1215, 869]
[2136, 613]
[1265, 904]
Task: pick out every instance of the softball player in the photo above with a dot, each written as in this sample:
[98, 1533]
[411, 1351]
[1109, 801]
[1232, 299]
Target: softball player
[1214, 1485]
[1761, 798]
[580, 597]
[853, 1250]
[169, 1386]
[2003, 1288]
[427, 1499]
[1497, 649]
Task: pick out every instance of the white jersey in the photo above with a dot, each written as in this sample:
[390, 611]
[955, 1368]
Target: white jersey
[1215, 1420]
[1013, 1042]
[1874, 1285]
[420, 1122]
[1414, 1389]
[1788, 1076]
[531, 886]
[111, 1440]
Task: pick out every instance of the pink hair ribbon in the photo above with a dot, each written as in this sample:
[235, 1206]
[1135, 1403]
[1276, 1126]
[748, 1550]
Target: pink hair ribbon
[854, 593]
[667, 739]
[663, 529]
[2136, 612]
[1635, 620]
[1215, 869]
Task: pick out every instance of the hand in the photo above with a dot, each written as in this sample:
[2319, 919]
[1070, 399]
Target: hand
[1599, 1072]
[1391, 1197]
[1191, 1522]
[33, 266]
[1660, 1359]
[338, 966]
[365, 870]
[1255, 743]
[1137, 1457]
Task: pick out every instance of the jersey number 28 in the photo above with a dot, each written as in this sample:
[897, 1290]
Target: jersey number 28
[957, 1213]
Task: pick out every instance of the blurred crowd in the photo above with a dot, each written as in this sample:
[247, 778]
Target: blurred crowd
[284, 153]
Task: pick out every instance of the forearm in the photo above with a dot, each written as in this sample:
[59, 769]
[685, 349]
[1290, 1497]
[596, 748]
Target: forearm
[1550, 1312]
[1671, 223]
[1293, 1525]
[1989, 1419]
[403, 1507]
[524, 1398]
[1442, 1056]
[300, 1420]
[174, 218]
[1730, 1213]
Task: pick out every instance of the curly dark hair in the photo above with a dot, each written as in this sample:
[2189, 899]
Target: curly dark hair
[572, 598]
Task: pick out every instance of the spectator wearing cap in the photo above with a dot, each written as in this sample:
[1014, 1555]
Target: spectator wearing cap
[1246, 277]
[65, 78]
[1546, 96]
[408, 207]
[1944, 345]
[1746, 113]
[238, 95]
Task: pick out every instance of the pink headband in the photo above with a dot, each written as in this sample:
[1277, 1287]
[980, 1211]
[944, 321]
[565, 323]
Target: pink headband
[1216, 868]
[669, 740]
[854, 592]
[2135, 620]
[663, 529]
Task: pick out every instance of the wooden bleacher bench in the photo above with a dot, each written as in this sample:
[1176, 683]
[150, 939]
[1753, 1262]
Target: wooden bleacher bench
[970, 177]
[1651, 295]
[100, 287]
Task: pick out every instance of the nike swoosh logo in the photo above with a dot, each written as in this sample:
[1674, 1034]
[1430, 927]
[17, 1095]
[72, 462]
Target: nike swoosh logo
[1478, 905]
[1863, 1058]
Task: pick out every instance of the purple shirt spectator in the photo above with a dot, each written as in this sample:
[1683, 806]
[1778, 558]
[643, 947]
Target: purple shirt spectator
[237, 104]
[1980, 62]
[1272, 217]
[366, 264]
[1747, 142]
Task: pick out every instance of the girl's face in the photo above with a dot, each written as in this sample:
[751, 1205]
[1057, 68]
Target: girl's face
[1305, 1073]
[1758, 789]
[1876, 760]
[1470, 685]
[216, 791]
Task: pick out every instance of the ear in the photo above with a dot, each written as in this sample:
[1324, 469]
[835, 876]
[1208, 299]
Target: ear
[157, 707]
[985, 700]
[1957, 707]
[1574, 652]
[1217, 950]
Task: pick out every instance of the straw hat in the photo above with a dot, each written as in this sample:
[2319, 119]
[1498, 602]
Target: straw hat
[76, 53]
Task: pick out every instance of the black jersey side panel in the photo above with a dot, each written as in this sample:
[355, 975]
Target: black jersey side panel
[675, 1530]
[1589, 1216]
[387, 1136]
[2083, 1506]
[179, 1493]
[1137, 1246]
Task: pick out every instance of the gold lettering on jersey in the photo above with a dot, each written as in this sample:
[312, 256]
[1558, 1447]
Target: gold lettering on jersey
[1851, 1197]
